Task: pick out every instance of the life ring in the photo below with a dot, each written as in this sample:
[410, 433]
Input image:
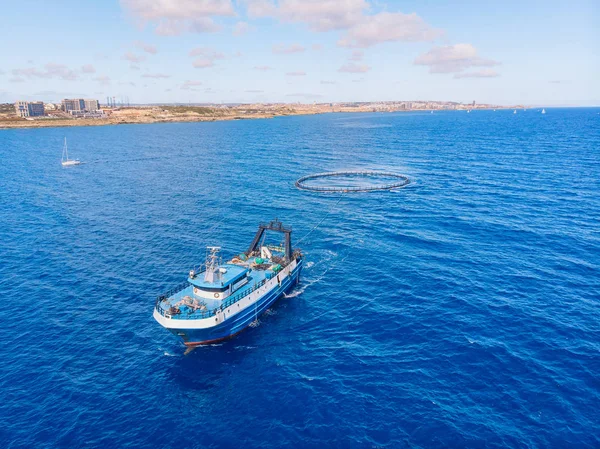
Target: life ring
[216, 295]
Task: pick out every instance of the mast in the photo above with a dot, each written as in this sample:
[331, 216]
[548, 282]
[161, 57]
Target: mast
[212, 273]
[65, 150]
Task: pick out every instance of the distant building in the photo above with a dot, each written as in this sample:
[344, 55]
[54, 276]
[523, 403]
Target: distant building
[91, 105]
[77, 105]
[29, 108]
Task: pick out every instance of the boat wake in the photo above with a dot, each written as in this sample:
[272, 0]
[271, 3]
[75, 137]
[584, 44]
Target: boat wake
[295, 292]
[331, 258]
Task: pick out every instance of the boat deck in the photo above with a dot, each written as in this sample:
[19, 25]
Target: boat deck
[190, 306]
[231, 274]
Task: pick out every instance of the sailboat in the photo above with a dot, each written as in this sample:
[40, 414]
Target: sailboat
[65, 161]
[543, 111]
[515, 111]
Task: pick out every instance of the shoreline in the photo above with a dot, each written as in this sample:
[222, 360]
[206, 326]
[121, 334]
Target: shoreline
[134, 116]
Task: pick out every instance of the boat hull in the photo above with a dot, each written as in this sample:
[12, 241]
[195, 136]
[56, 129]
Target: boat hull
[233, 325]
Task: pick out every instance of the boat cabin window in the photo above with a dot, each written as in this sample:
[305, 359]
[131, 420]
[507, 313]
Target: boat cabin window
[212, 290]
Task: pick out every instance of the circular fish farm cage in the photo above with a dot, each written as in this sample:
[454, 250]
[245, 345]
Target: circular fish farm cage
[352, 181]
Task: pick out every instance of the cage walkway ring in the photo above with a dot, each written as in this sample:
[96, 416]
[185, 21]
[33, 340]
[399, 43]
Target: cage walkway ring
[401, 181]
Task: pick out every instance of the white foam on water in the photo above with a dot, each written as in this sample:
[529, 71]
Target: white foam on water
[295, 292]
[471, 341]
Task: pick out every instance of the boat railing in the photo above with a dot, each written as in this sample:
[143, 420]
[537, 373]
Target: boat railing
[172, 291]
[206, 313]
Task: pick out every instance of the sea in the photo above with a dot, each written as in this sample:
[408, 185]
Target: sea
[462, 311]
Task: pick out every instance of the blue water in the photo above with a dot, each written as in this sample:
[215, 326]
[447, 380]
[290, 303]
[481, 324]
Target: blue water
[462, 311]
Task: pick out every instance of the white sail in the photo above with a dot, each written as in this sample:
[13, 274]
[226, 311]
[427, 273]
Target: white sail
[65, 161]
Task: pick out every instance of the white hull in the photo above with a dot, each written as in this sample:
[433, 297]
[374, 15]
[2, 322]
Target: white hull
[71, 162]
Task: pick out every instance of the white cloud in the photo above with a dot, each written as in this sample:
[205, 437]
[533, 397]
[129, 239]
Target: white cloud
[148, 48]
[320, 15]
[242, 28]
[51, 70]
[155, 75]
[389, 27]
[263, 68]
[298, 73]
[191, 85]
[129, 56]
[328, 82]
[453, 59]
[292, 48]
[88, 68]
[16, 79]
[485, 73]
[208, 53]
[363, 29]
[354, 68]
[202, 63]
[254, 91]
[207, 57]
[171, 17]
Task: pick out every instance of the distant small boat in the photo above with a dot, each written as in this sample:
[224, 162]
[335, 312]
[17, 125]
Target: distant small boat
[432, 112]
[515, 111]
[65, 161]
[468, 111]
[543, 111]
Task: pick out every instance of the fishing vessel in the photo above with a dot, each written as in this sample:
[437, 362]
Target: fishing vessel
[65, 161]
[221, 299]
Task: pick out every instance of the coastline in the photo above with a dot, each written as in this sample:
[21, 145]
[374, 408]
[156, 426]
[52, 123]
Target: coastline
[180, 114]
[80, 122]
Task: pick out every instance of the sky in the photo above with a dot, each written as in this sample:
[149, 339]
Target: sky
[244, 51]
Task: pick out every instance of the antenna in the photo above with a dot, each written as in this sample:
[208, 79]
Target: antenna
[212, 273]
